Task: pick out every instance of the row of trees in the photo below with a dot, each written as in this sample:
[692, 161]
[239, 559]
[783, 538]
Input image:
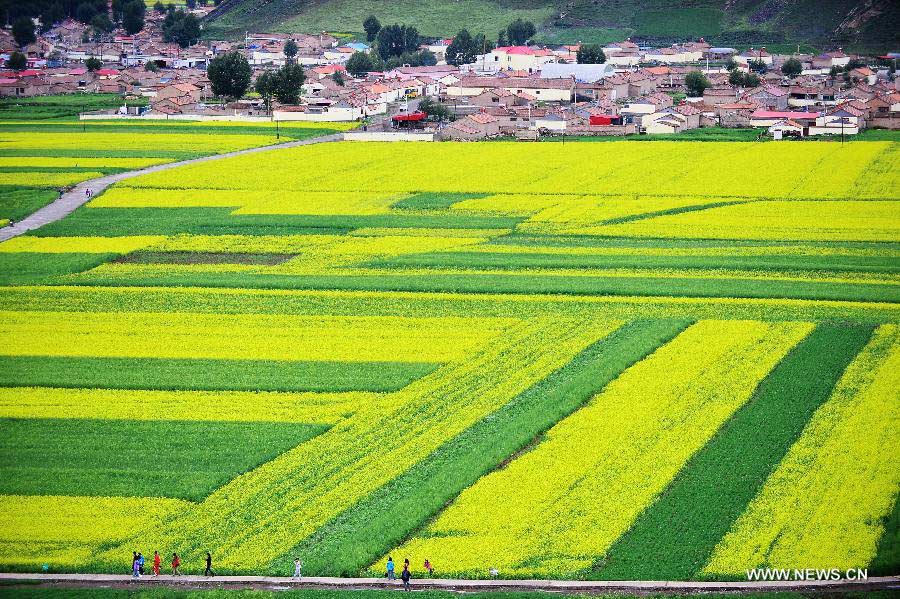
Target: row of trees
[230, 75]
[127, 14]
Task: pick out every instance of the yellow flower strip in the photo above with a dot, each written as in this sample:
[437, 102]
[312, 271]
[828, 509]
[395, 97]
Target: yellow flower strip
[615, 168]
[434, 304]
[244, 336]
[84, 245]
[823, 506]
[263, 514]
[800, 220]
[237, 406]
[186, 142]
[556, 509]
[735, 250]
[39, 179]
[252, 202]
[84, 162]
[65, 531]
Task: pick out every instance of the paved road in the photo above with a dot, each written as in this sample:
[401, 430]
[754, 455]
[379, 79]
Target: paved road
[71, 200]
[557, 586]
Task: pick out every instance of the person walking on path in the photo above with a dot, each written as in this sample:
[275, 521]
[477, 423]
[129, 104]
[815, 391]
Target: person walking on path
[405, 575]
[298, 567]
[140, 563]
[157, 562]
[176, 562]
[135, 572]
[428, 567]
[209, 570]
[390, 569]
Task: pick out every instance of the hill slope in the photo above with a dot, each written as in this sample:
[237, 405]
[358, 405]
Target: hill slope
[866, 25]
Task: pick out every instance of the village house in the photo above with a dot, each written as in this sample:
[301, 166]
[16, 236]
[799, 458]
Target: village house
[767, 118]
[768, 96]
[547, 90]
[475, 126]
[624, 53]
[754, 55]
[720, 94]
[517, 58]
[673, 119]
[581, 73]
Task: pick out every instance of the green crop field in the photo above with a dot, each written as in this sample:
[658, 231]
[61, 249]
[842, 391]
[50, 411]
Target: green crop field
[656, 360]
[45, 149]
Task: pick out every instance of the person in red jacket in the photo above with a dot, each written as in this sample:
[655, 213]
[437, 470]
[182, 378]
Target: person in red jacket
[176, 561]
[157, 562]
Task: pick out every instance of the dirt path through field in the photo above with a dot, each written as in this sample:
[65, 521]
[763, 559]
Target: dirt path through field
[68, 202]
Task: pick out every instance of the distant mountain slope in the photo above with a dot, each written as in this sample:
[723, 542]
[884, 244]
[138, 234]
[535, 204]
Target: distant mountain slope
[864, 25]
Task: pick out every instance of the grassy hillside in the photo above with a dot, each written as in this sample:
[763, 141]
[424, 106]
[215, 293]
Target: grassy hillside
[866, 25]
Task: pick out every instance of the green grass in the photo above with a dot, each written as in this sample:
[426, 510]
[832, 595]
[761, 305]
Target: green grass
[524, 261]
[219, 221]
[649, 285]
[430, 17]
[674, 537]
[29, 268]
[207, 375]
[165, 127]
[186, 460]
[59, 106]
[584, 35]
[17, 202]
[887, 560]
[383, 520]
[683, 22]
[429, 200]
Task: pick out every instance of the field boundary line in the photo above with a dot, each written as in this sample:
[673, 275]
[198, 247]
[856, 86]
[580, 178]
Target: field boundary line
[456, 585]
[69, 201]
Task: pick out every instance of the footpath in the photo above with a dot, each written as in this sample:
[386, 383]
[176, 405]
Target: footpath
[883, 583]
[69, 201]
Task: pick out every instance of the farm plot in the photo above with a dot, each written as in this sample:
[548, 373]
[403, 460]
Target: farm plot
[39, 157]
[604, 364]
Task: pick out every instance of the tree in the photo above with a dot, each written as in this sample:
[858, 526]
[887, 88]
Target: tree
[338, 78]
[738, 78]
[151, 66]
[17, 61]
[101, 24]
[290, 50]
[462, 49]
[93, 64]
[696, 82]
[731, 64]
[54, 13]
[519, 32]
[229, 75]
[288, 82]
[791, 67]
[590, 54]
[426, 58]
[182, 28]
[434, 109]
[359, 64]
[371, 26]
[191, 4]
[757, 66]
[394, 40]
[501, 39]
[159, 7]
[133, 16]
[23, 31]
[85, 12]
[265, 87]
